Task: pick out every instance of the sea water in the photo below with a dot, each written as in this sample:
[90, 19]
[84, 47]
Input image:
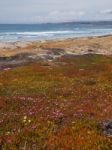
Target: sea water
[31, 32]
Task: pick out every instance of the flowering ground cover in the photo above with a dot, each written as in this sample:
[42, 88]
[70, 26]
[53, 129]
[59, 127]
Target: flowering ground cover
[56, 105]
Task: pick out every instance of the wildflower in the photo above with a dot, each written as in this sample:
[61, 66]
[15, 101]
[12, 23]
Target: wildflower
[6, 69]
[8, 133]
[73, 122]
[29, 121]
[48, 122]
[24, 120]
[25, 117]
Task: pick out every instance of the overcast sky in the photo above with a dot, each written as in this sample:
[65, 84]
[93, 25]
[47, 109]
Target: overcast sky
[36, 11]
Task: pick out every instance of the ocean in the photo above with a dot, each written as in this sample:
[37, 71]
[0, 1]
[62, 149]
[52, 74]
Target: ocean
[31, 32]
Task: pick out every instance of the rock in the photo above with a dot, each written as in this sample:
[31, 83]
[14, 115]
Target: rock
[90, 50]
[55, 51]
[23, 57]
[107, 128]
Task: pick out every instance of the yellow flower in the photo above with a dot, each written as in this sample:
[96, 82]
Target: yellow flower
[29, 120]
[25, 117]
[24, 120]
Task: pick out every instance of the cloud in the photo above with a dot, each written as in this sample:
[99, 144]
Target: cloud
[36, 11]
[59, 16]
[106, 11]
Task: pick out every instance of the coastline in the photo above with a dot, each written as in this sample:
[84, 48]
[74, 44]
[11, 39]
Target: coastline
[17, 53]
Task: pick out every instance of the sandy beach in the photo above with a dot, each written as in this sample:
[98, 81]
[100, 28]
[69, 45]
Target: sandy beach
[14, 53]
[96, 45]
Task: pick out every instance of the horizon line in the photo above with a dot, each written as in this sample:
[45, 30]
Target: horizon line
[81, 21]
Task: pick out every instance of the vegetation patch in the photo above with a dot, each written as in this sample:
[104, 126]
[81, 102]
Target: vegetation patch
[57, 105]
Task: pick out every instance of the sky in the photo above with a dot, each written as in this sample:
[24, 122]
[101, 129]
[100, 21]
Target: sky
[44, 11]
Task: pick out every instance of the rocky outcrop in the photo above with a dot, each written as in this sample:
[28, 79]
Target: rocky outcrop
[107, 127]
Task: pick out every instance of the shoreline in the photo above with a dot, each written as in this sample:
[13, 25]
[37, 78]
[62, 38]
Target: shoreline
[54, 39]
